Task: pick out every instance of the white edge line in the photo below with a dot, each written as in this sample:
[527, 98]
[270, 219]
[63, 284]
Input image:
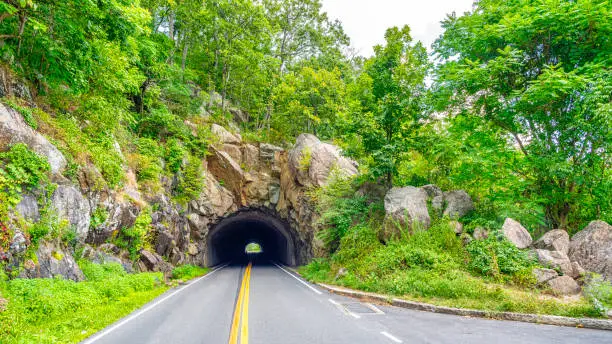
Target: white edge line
[299, 280]
[374, 308]
[129, 318]
[343, 309]
[390, 336]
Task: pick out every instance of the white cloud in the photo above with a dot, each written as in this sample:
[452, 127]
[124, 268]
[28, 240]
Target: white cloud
[365, 21]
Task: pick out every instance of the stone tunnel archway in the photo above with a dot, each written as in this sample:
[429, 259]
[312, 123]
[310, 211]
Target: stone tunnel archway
[227, 239]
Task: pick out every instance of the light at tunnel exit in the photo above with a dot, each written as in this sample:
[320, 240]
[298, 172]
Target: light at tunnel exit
[253, 248]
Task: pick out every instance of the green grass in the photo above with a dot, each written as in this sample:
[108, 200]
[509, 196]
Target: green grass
[434, 267]
[63, 311]
[188, 271]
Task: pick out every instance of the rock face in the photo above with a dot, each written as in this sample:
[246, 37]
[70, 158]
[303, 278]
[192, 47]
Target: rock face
[70, 204]
[555, 240]
[53, 260]
[224, 135]
[516, 233]
[406, 208]
[564, 285]
[28, 208]
[459, 204]
[592, 248]
[312, 161]
[13, 129]
[436, 196]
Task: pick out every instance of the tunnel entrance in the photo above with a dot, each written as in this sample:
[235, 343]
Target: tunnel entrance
[228, 238]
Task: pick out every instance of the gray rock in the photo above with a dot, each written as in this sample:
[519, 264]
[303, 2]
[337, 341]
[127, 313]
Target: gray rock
[564, 285]
[268, 151]
[121, 215]
[372, 191]
[53, 260]
[153, 262]
[28, 208]
[193, 249]
[544, 275]
[456, 226]
[224, 135]
[13, 129]
[480, 233]
[577, 270]
[406, 208]
[516, 233]
[555, 240]
[68, 203]
[555, 260]
[312, 161]
[592, 248]
[436, 196]
[164, 243]
[18, 243]
[458, 204]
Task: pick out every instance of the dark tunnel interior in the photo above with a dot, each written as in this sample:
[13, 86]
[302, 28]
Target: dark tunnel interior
[228, 238]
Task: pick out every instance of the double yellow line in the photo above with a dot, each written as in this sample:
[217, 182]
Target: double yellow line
[241, 312]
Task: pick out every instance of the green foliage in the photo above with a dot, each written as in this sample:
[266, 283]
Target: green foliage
[253, 247]
[26, 112]
[340, 209]
[57, 310]
[187, 272]
[190, 181]
[497, 257]
[134, 239]
[536, 74]
[599, 291]
[98, 217]
[431, 266]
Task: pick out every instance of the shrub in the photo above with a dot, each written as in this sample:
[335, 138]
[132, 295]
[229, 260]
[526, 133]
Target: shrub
[599, 292]
[190, 181]
[24, 167]
[133, 239]
[188, 271]
[496, 257]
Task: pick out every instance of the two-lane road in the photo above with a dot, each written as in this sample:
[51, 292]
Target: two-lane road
[267, 304]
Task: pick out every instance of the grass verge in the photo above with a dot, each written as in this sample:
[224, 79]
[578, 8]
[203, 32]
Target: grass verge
[63, 311]
[434, 267]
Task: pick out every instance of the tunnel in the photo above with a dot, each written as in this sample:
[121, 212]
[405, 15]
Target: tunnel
[228, 238]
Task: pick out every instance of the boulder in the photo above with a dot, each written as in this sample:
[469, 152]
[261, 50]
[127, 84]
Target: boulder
[223, 135]
[372, 191]
[544, 275]
[555, 240]
[516, 233]
[592, 248]
[18, 243]
[164, 243]
[10, 86]
[436, 196]
[311, 161]
[564, 285]
[577, 270]
[153, 262]
[458, 204]
[52, 260]
[13, 129]
[456, 226]
[69, 204]
[555, 260]
[28, 208]
[405, 208]
[193, 249]
[480, 233]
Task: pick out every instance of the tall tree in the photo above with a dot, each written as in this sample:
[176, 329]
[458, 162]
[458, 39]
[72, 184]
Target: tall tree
[539, 71]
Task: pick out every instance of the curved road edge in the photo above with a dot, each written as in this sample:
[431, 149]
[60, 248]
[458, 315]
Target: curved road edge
[597, 324]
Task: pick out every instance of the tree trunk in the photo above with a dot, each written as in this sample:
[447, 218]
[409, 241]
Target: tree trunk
[184, 57]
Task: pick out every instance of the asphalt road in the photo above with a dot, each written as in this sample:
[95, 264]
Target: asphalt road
[267, 304]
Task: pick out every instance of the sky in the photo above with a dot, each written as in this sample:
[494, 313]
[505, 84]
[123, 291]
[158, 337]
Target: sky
[365, 21]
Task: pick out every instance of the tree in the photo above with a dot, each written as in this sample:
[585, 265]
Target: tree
[396, 76]
[540, 72]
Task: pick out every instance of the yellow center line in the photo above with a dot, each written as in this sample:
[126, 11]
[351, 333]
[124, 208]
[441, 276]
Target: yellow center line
[244, 331]
[241, 311]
